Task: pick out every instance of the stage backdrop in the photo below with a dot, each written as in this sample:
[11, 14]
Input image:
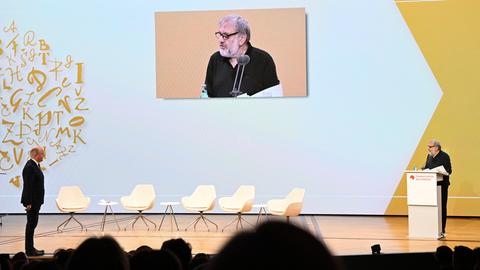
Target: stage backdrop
[80, 79]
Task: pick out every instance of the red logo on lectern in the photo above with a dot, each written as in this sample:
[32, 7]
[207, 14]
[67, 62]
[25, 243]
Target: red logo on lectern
[412, 177]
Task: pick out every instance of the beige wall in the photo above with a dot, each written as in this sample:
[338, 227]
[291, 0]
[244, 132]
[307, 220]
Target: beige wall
[185, 41]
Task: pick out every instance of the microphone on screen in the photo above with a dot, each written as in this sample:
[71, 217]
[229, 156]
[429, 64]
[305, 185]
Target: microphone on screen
[242, 61]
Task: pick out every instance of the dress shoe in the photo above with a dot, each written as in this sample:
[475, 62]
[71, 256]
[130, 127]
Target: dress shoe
[35, 253]
[41, 251]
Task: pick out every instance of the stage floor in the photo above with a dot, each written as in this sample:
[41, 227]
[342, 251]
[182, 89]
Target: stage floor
[344, 235]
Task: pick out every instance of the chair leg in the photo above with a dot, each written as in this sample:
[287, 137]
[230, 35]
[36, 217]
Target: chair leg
[144, 218]
[204, 219]
[144, 222]
[67, 221]
[132, 222]
[205, 222]
[231, 222]
[194, 223]
[216, 226]
[64, 224]
[240, 221]
[81, 225]
[244, 220]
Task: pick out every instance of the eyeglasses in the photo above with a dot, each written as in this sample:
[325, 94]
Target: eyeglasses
[430, 146]
[224, 36]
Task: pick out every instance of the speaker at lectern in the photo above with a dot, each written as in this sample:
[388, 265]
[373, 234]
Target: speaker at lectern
[424, 199]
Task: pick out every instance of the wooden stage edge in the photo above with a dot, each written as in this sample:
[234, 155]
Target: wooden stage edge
[343, 235]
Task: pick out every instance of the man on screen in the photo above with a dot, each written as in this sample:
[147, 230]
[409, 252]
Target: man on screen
[233, 38]
[436, 158]
[32, 196]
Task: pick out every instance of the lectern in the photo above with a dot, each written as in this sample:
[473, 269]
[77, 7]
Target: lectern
[424, 199]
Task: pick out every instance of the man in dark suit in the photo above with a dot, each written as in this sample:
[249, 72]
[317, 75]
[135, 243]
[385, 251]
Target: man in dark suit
[32, 196]
[436, 158]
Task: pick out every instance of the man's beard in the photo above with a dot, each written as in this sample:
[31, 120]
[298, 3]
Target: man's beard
[227, 53]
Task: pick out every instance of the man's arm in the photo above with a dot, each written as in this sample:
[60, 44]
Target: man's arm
[27, 195]
[270, 73]
[425, 166]
[209, 78]
[447, 165]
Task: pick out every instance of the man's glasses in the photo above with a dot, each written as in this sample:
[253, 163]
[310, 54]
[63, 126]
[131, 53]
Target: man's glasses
[224, 36]
[430, 146]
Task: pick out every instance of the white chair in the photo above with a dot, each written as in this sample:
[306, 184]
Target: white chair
[290, 206]
[71, 200]
[240, 202]
[141, 199]
[201, 200]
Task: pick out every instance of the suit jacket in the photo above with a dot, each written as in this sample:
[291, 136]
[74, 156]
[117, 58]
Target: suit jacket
[33, 185]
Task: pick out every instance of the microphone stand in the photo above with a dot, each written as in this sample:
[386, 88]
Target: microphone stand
[242, 61]
[235, 92]
[241, 77]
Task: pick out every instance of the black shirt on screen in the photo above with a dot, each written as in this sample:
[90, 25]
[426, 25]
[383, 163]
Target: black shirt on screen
[260, 73]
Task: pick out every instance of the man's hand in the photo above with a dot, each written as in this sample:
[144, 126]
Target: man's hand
[28, 207]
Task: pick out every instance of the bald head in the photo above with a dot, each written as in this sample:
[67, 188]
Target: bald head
[37, 153]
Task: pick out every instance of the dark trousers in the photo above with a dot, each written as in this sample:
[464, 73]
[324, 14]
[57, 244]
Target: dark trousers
[444, 206]
[32, 221]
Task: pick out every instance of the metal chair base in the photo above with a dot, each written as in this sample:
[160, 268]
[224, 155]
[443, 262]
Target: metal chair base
[204, 219]
[143, 218]
[238, 221]
[65, 223]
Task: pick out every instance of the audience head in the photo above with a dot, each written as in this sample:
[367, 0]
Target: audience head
[40, 265]
[20, 256]
[154, 260]
[18, 265]
[199, 259]
[61, 256]
[463, 258]
[274, 245]
[476, 257]
[143, 248]
[18, 260]
[444, 257]
[31, 265]
[181, 249]
[5, 262]
[98, 253]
